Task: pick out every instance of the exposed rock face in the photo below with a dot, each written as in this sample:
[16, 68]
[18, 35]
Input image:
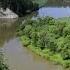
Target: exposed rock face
[7, 13]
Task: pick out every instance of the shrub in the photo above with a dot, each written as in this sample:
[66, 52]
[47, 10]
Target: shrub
[49, 35]
[3, 66]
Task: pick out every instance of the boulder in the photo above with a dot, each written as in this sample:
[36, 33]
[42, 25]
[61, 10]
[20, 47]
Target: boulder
[7, 13]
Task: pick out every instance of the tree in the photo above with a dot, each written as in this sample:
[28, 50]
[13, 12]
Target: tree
[19, 6]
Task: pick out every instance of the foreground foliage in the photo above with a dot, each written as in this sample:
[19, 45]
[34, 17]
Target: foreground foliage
[3, 66]
[47, 37]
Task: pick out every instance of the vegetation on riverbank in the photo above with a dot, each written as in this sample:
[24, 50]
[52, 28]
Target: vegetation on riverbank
[3, 66]
[47, 37]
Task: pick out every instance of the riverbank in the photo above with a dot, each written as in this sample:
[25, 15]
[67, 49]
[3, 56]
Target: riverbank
[48, 38]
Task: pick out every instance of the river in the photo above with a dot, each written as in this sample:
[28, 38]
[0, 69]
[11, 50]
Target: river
[19, 57]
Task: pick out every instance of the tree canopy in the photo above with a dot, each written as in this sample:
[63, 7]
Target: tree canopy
[19, 6]
[48, 36]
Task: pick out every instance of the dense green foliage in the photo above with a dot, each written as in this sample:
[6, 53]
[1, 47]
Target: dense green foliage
[48, 37]
[20, 6]
[3, 66]
[41, 2]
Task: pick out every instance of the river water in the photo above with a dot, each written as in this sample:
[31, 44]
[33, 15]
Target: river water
[18, 57]
[55, 8]
[56, 12]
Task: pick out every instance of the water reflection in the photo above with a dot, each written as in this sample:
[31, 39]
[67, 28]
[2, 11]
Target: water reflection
[7, 30]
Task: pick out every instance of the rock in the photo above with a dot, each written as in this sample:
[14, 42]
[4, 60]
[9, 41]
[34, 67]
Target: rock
[7, 13]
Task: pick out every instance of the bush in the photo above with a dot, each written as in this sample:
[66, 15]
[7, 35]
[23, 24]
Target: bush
[49, 34]
[25, 40]
[3, 66]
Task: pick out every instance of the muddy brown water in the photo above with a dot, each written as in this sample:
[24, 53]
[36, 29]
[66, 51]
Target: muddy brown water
[19, 57]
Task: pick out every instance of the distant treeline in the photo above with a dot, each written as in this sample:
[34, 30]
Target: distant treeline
[19, 6]
[58, 3]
